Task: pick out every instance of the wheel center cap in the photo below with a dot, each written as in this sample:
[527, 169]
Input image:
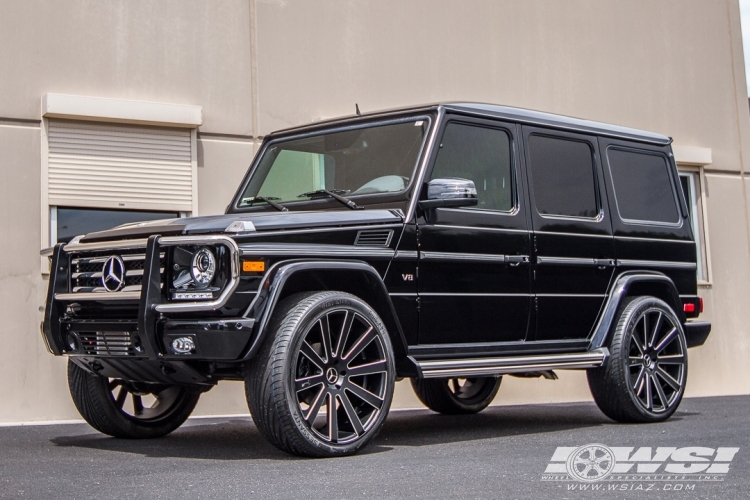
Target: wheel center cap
[332, 375]
[649, 361]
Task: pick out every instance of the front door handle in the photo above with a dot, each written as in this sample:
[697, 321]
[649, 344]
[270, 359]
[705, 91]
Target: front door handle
[516, 260]
[604, 263]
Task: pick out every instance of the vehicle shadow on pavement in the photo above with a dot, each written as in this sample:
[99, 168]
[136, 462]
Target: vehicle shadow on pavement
[423, 427]
[222, 439]
[238, 439]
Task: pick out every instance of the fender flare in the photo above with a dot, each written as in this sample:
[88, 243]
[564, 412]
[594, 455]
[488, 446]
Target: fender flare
[619, 291]
[271, 288]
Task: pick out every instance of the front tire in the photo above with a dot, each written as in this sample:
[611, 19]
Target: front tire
[325, 350]
[456, 396]
[645, 378]
[128, 409]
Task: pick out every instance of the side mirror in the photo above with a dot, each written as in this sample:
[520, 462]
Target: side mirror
[450, 192]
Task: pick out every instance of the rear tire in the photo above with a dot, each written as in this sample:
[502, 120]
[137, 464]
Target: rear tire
[323, 350]
[644, 380]
[456, 396]
[107, 412]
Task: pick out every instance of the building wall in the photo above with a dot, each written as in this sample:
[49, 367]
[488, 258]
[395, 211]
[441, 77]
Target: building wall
[670, 66]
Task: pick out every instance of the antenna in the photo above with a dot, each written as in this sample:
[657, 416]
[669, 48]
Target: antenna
[356, 106]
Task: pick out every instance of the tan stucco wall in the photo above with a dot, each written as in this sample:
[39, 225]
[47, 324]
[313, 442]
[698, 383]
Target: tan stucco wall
[673, 67]
[177, 51]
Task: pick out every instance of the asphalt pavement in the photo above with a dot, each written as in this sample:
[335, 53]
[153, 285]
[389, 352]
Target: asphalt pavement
[505, 452]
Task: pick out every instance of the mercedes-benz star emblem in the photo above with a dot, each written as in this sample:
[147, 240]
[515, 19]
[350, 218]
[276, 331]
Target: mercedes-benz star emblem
[113, 273]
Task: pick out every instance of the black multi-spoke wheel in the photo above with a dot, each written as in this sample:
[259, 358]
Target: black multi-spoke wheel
[645, 378]
[129, 409]
[323, 383]
[453, 396]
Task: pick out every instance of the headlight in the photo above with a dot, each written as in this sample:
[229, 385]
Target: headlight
[203, 267]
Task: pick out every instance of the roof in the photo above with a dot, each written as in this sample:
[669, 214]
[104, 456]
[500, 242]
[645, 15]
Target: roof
[519, 115]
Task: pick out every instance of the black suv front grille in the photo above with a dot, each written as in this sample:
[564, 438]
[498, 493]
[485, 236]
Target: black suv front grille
[107, 344]
[87, 269]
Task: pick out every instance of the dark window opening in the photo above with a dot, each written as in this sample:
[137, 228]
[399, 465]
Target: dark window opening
[563, 177]
[72, 222]
[481, 155]
[643, 188]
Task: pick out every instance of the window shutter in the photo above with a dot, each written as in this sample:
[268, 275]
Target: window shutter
[93, 164]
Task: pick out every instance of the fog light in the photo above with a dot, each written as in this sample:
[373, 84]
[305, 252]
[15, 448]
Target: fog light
[183, 345]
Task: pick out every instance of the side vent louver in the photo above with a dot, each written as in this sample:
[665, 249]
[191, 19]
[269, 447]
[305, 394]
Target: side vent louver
[374, 238]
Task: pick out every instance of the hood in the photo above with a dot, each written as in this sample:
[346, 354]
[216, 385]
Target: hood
[261, 221]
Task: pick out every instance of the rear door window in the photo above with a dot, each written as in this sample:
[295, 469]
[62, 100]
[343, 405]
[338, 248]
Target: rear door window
[564, 182]
[643, 186]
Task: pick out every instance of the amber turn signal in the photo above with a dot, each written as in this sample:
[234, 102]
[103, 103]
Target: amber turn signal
[253, 266]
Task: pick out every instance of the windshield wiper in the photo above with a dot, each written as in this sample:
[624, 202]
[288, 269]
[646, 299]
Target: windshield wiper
[333, 194]
[266, 199]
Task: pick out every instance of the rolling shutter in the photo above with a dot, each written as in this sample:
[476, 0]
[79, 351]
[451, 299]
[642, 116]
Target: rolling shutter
[93, 164]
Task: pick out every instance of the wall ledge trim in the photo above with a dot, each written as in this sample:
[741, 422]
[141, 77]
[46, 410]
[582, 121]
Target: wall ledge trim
[121, 111]
[691, 155]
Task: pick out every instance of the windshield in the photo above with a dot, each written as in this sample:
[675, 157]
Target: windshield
[363, 161]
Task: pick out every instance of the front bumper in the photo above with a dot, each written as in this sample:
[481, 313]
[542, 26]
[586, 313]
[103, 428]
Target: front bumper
[138, 329]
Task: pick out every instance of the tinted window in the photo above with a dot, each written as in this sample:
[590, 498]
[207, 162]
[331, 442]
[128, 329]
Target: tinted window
[643, 188]
[367, 160]
[481, 155]
[563, 174]
[74, 221]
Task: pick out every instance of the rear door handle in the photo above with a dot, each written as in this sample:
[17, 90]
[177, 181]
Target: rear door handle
[516, 260]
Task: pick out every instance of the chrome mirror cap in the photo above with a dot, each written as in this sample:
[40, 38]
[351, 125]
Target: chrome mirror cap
[450, 192]
[451, 188]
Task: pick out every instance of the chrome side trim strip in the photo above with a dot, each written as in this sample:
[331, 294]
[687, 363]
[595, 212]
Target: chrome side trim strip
[463, 257]
[656, 263]
[98, 296]
[573, 295]
[660, 240]
[482, 228]
[512, 364]
[105, 245]
[448, 294]
[406, 254]
[403, 294]
[234, 272]
[582, 235]
[565, 261]
[297, 250]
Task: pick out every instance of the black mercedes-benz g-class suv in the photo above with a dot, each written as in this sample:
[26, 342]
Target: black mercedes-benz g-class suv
[450, 243]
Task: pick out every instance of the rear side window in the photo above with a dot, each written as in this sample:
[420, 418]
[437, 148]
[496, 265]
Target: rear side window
[562, 171]
[643, 188]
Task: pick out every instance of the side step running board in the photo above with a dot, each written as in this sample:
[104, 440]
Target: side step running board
[444, 368]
